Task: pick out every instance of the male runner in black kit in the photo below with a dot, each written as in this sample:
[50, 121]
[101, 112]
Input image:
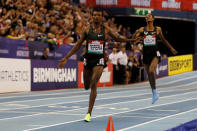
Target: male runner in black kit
[151, 54]
[94, 57]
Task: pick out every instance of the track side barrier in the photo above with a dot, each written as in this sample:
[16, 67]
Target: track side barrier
[46, 75]
[180, 64]
[161, 70]
[15, 75]
[105, 80]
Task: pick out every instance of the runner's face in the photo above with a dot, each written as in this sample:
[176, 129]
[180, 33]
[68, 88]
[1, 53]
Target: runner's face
[149, 18]
[97, 16]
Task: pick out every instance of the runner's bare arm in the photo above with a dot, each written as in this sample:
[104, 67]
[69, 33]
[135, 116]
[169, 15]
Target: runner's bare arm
[139, 31]
[73, 50]
[117, 36]
[165, 42]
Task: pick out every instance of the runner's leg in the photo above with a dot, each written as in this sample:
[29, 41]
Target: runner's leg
[151, 72]
[151, 76]
[96, 74]
[87, 75]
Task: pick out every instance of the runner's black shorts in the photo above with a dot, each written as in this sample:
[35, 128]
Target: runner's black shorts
[148, 57]
[89, 64]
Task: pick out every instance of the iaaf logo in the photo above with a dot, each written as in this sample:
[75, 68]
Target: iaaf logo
[145, 3]
[171, 4]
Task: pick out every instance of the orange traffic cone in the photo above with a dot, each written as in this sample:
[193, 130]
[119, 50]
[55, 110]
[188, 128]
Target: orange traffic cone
[110, 125]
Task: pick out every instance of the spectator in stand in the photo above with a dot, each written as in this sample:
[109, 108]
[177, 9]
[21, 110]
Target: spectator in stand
[113, 59]
[51, 41]
[129, 68]
[45, 55]
[21, 34]
[12, 34]
[122, 63]
[5, 27]
[135, 69]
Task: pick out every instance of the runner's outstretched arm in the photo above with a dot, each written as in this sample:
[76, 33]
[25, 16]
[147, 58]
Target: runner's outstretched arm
[165, 42]
[76, 47]
[117, 36]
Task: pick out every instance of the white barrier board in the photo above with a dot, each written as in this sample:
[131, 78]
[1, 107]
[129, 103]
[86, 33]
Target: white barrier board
[15, 75]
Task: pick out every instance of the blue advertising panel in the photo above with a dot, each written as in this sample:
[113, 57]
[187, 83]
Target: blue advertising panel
[161, 70]
[36, 50]
[45, 75]
[11, 48]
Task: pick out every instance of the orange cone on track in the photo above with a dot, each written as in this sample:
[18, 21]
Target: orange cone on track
[110, 125]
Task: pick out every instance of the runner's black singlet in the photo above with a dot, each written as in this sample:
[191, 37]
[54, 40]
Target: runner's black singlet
[150, 48]
[95, 47]
[95, 44]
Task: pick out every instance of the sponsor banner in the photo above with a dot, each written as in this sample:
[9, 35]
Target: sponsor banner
[179, 5]
[180, 64]
[161, 70]
[105, 80]
[106, 2]
[37, 49]
[14, 75]
[171, 4]
[142, 3]
[45, 75]
[10, 48]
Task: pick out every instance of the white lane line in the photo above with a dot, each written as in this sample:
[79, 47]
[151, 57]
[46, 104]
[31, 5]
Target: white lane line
[70, 114]
[24, 112]
[21, 105]
[121, 96]
[136, 116]
[109, 114]
[105, 105]
[131, 127]
[163, 110]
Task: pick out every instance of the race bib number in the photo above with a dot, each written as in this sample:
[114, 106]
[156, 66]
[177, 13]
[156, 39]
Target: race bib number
[149, 40]
[95, 46]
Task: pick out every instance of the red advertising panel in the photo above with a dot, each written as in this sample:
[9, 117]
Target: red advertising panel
[105, 80]
[123, 3]
[190, 5]
[180, 5]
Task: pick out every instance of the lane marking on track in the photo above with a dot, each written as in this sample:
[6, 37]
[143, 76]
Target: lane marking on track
[116, 114]
[174, 115]
[96, 106]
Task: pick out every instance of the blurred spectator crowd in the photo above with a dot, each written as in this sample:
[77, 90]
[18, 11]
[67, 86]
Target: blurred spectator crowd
[62, 22]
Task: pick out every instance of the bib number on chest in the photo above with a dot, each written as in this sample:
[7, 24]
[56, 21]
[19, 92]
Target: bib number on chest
[95, 46]
[149, 40]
